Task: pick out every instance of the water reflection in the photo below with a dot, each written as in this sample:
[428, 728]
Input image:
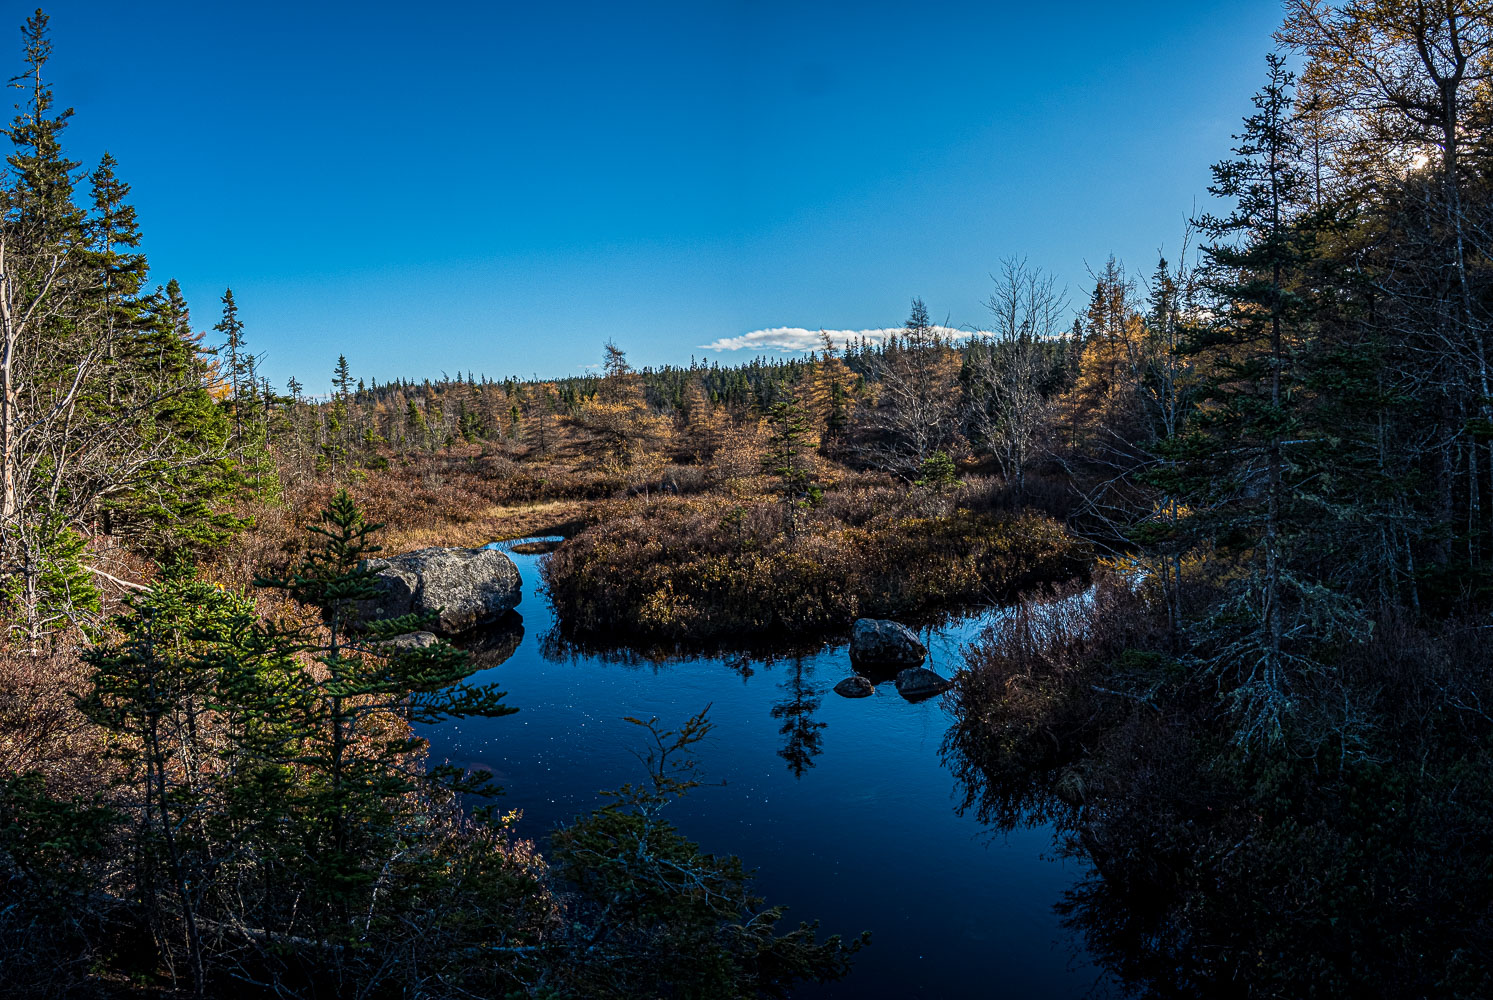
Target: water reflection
[1001, 796]
[495, 644]
[1211, 874]
[805, 733]
[744, 658]
[811, 823]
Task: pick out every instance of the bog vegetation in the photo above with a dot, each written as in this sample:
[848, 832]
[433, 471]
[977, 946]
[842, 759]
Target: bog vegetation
[1266, 726]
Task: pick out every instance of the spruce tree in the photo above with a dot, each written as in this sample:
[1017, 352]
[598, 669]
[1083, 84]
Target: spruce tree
[789, 447]
[154, 687]
[113, 238]
[359, 777]
[1244, 481]
[42, 197]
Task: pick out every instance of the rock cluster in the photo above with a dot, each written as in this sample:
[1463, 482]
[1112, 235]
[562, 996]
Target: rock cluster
[887, 649]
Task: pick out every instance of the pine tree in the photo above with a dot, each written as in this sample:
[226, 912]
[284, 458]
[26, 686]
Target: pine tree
[1238, 461]
[334, 443]
[832, 395]
[154, 687]
[187, 480]
[790, 444]
[342, 378]
[704, 423]
[101, 422]
[232, 329]
[414, 422]
[916, 401]
[543, 401]
[639, 883]
[618, 414]
[42, 198]
[113, 233]
[1104, 391]
[357, 784]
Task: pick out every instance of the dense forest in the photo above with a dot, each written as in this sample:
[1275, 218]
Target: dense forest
[1267, 462]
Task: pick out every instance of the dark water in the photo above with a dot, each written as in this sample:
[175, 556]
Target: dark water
[842, 805]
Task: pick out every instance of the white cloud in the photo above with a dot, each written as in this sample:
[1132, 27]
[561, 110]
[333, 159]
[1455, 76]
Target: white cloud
[797, 338]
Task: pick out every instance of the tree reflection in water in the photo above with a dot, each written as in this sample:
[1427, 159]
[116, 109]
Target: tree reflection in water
[1213, 873]
[805, 733]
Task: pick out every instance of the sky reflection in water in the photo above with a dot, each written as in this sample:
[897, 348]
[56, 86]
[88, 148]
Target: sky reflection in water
[842, 805]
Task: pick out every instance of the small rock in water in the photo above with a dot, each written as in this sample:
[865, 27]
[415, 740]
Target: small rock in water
[876, 642]
[855, 686]
[915, 683]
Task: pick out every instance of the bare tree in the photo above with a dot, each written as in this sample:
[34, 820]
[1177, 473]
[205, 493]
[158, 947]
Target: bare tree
[1009, 411]
[916, 399]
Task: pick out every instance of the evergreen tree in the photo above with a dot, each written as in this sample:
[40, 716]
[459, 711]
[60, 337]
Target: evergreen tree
[1238, 454]
[232, 329]
[646, 891]
[618, 413]
[186, 481]
[42, 197]
[342, 378]
[789, 447]
[916, 401]
[354, 801]
[113, 235]
[833, 394]
[102, 422]
[153, 687]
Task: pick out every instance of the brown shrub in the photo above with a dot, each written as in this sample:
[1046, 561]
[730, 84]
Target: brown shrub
[1040, 688]
[701, 569]
[41, 730]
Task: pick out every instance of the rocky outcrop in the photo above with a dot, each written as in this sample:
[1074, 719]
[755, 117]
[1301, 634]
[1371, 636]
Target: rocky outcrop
[878, 643]
[915, 684]
[855, 686]
[463, 587]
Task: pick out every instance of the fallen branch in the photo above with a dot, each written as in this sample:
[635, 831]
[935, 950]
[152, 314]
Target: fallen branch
[114, 579]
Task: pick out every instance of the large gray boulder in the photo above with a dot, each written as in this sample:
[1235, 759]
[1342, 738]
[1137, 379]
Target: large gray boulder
[915, 684]
[465, 587]
[878, 643]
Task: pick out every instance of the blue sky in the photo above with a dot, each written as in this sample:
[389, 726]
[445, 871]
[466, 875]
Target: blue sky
[502, 187]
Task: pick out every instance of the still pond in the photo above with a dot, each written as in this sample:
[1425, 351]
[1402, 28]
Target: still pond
[843, 806]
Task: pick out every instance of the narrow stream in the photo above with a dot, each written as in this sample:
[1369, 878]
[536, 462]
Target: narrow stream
[842, 805]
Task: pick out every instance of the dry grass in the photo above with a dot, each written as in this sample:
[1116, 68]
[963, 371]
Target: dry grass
[700, 569]
[494, 523]
[41, 730]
